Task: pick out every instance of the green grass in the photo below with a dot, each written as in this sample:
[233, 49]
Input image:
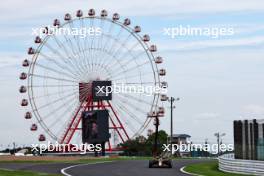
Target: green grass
[23, 173]
[82, 160]
[35, 161]
[207, 169]
[87, 160]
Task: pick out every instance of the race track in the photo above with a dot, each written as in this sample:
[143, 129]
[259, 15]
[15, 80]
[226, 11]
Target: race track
[116, 168]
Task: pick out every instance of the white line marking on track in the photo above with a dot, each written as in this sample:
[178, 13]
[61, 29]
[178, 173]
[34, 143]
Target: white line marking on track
[63, 171]
[185, 172]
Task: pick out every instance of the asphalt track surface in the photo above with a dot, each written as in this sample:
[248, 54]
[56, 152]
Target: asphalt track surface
[116, 168]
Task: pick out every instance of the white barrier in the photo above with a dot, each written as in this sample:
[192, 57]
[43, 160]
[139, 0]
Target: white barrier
[227, 163]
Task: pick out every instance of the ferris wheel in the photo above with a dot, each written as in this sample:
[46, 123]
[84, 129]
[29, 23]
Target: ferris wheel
[69, 55]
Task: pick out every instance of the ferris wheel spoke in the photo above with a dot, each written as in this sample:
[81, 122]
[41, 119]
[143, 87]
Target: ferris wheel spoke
[97, 43]
[52, 85]
[135, 99]
[51, 77]
[113, 43]
[130, 69]
[66, 123]
[52, 102]
[132, 76]
[129, 51]
[72, 48]
[133, 58]
[113, 59]
[103, 38]
[108, 32]
[117, 60]
[56, 71]
[126, 120]
[47, 116]
[85, 59]
[146, 124]
[131, 105]
[129, 113]
[63, 67]
[133, 83]
[104, 54]
[76, 60]
[126, 111]
[63, 58]
[77, 41]
[91, 45]
[102, 67]
[114, 53]
[54, 93]
[70, 59]
[91, 65]
[100, 50]
[87, 43]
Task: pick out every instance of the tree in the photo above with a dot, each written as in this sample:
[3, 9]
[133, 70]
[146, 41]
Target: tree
[141, 146]
[162, 139]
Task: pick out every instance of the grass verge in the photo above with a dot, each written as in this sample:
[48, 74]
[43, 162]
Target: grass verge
[208, 169]
[23, 173]
[61, 159]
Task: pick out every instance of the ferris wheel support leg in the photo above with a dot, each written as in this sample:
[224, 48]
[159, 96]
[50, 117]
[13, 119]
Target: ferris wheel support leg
[62, 141]
[113, 123]
[116, 128]
[88, 104]
[100, 104]
[73, 130]
[121, 125]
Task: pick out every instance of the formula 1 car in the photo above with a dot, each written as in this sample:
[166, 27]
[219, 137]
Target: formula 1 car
[162, 160]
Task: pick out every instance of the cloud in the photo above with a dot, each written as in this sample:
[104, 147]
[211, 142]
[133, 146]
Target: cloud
[248, 28]
[36, 8]
[10, 59]
[207, 116]
[205, 44]
[254, 109]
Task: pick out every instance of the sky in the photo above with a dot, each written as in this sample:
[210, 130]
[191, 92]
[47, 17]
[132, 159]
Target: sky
[218, 80]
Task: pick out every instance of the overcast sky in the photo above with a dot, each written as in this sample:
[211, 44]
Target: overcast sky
[218, 79]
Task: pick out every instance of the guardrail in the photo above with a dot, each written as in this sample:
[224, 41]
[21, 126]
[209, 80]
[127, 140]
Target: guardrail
[228, 163]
